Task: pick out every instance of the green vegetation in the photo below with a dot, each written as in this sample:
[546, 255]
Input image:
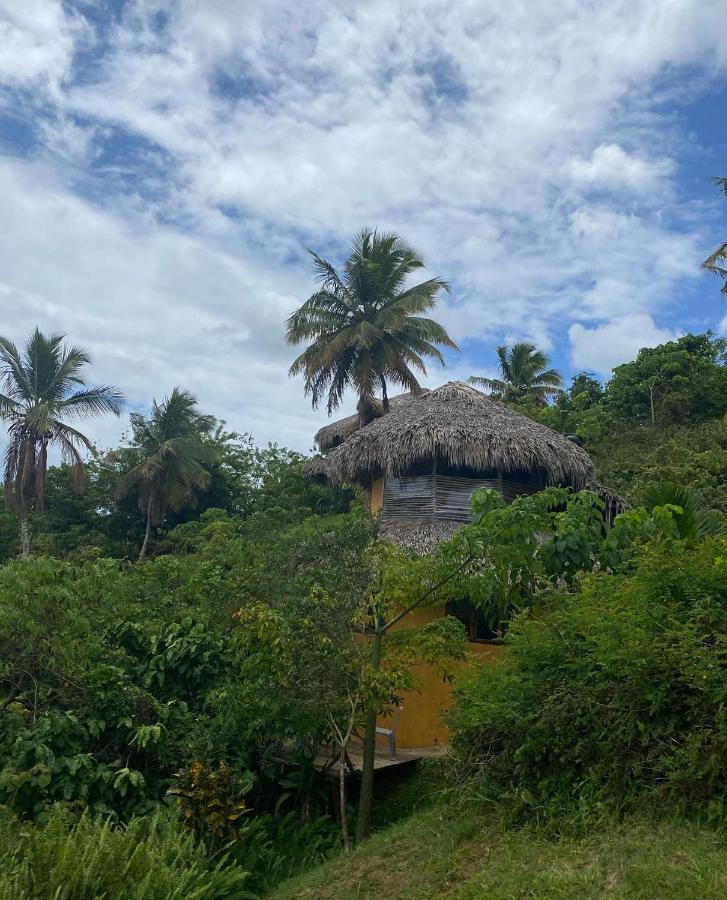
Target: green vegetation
[611, 696]
[457, 853]
[365, 325]
[43, 388]
[159, 718]
[151, 859]
[174, 459]
[524, 375]
[717, 262]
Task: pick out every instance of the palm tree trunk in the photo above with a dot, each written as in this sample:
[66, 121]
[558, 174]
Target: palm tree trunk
[24, 537]
[142, 554]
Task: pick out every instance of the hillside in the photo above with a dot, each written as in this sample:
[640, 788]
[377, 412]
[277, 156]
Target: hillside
[442, 853]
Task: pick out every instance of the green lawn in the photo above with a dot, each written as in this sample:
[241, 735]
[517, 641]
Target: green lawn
[437, 853]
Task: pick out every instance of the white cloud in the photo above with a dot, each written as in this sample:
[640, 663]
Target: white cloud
[605, 346]
[36, 42]
[154, 307]
[610, 166]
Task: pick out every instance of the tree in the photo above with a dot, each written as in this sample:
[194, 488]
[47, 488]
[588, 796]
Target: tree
[175, 458]
[676, 382]
[717, 261]
[524, 375]
[365, 326]
[43, 389]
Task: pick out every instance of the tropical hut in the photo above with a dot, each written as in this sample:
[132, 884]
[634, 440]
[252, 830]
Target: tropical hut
[421, 461]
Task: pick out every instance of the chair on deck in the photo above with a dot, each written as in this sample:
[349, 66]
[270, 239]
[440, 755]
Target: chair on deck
[390, 733]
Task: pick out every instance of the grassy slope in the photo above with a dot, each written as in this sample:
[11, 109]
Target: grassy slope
[436, 853]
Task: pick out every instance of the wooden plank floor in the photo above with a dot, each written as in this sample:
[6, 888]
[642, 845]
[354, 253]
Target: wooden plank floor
[382, 760]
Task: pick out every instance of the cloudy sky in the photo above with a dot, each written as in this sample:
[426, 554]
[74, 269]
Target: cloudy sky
[165, 165]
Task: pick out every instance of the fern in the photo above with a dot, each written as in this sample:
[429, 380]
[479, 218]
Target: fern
[150, 859]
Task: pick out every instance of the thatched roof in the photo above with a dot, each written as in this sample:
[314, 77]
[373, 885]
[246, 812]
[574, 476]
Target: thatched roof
[458, 423]
[335, 433]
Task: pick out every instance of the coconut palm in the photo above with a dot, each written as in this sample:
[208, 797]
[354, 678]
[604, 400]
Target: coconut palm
[524, 375]
[364, 325]
[174, 459]
[717, 261]
[42, 389]
[696, 520]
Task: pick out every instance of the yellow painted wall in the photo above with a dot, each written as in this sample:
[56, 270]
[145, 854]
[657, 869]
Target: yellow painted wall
[421, 722]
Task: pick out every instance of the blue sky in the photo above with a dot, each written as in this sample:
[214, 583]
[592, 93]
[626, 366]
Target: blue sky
[164, 167]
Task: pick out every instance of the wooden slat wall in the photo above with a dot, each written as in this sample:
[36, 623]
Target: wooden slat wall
[452, 496]
[442, 496]
[409, 498]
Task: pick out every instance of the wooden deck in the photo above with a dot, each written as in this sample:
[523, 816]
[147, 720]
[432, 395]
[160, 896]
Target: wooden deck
[382, 760]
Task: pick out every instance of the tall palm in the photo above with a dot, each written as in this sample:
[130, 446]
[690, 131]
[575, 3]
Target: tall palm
[524, 375]
[717, 261]
[364, 324]
[174, 459]
[42, 388]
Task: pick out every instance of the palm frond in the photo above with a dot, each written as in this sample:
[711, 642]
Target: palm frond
[93, 402]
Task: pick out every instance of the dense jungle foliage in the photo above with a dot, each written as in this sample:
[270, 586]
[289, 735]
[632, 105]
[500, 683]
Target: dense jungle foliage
[146, 704]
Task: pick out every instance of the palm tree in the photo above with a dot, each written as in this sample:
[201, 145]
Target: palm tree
[524, 375]
[365, 326]
[42, 389]
[174, 459]
[696, 519]
[717, 261]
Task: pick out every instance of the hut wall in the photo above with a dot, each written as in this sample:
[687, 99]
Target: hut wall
[409, 497]
[441, 496]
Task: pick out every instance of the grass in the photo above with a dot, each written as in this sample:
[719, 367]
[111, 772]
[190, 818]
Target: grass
[441, 853]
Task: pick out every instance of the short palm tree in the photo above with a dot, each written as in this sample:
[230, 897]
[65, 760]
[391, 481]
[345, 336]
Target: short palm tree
[174, 459]
[365, 326]
[42, 389]
[524, 375]
[717, 261]
[696, 519]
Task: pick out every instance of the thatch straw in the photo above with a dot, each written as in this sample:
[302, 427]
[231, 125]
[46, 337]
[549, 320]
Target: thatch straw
[335, 433]
[419, 535]
[461, 425]
[615, 504]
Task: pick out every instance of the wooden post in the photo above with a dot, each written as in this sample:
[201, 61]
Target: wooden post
[501, 483]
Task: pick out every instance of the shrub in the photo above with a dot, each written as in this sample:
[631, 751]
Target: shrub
[612, 694]
[150, 859]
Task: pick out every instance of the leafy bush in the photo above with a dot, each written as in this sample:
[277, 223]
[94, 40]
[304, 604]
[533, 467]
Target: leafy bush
[150, 859]
[612, 694]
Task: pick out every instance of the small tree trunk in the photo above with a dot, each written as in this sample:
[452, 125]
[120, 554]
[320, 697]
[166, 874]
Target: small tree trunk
[363, 824]
[651, 402]
[146, 535]
[24, 537]
[342, 796]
